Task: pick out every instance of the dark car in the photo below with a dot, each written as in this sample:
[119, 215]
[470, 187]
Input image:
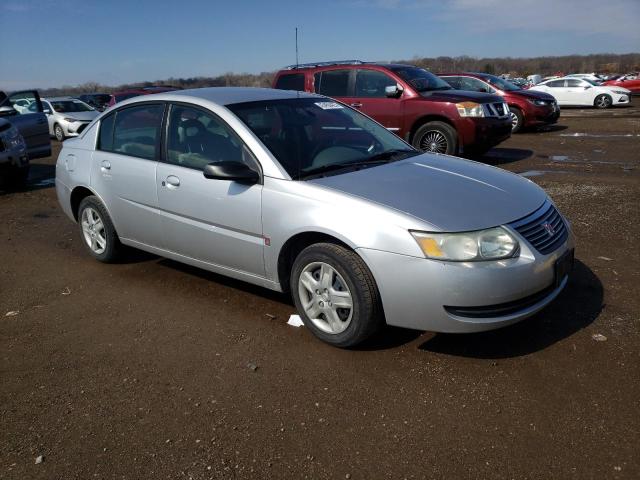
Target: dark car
[99, 101]
[528, 108]
[410, 101]
[117, 97]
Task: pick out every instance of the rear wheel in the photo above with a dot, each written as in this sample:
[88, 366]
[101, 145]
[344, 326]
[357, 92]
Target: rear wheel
[602, 101]
[517, 119]
[336, 295]
[98, 233]
[58, 132]
[436, 137]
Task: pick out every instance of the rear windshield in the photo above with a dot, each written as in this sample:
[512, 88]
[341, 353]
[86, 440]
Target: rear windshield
[293, 81]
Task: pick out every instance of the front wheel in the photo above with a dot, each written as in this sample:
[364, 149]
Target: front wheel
[98, 233]
[603, 101]
[59, 133]
[436, 137]
[336, 295]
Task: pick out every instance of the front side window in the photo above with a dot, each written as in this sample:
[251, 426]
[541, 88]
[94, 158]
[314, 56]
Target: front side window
[474, 85]
[292, 81]
[333, 83]
[315, 136]
[136, 131]
[196, 138]
[372, 84]
[21, 101]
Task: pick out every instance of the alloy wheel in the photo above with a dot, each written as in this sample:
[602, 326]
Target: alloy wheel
[514, 120]
[93, 230]
[434, 141]
[325, 297]
[603, 101]
[59, 133]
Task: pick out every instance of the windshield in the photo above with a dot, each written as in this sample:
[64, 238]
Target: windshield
[68, 106]
[501, 83]
[315, 136]
[420, 79]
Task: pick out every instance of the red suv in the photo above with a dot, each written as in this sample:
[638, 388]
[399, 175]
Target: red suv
[410, 101]
[528, 108]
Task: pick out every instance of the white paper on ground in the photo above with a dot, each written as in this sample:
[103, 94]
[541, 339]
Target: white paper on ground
[295, 321]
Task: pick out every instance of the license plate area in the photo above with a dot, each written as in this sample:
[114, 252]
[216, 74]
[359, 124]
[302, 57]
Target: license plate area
[563, 266]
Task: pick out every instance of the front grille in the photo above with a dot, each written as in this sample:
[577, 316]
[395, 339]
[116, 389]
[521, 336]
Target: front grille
[496, 109]
[544, 229]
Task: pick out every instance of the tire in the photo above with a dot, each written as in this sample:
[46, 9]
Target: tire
[58, 132]
[348, 280]
[101, 241]
[436, 137]
[603, 101]
[517, 119]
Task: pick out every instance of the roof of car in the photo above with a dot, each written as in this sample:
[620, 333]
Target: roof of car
[230, 95]
[58, 99]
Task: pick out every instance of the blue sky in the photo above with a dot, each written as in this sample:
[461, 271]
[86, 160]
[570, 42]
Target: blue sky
[46, 43]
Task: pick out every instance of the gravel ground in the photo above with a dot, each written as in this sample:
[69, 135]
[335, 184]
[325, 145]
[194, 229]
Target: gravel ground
[151, 369]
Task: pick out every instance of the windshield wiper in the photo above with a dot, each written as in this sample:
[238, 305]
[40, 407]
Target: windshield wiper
[383, 157]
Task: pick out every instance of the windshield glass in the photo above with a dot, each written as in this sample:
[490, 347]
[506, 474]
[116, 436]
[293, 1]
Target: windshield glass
[68, 106]
[501, 83]
[420, 79]
[315, 136]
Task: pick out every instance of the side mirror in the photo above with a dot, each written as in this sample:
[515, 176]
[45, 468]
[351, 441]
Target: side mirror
[7, 110]
[233, 171]
[393, 91]
[587, 87]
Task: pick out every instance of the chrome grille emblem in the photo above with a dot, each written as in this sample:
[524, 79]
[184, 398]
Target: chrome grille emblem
[549, 229]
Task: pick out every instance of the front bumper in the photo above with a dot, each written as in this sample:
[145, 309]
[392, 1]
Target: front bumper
[621, 99]
[73, 129]
[13, 156]
[486, 132]
[541, 116]
[415, 291]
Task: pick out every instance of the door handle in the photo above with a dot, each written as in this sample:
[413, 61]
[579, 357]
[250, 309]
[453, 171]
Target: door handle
[172, 181]
[356, 105]
[105, 166]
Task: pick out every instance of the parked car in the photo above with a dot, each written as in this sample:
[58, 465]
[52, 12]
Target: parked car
[99, 101]
[527, 108]
[14, 161]
[117, 97]
[581, 92]
[67, 116]
[592, 77]
[30, 122]
[298, 192]
[630, 82]
[410, 101]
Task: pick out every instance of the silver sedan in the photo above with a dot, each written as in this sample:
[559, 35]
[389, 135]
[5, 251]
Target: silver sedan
[296, 192]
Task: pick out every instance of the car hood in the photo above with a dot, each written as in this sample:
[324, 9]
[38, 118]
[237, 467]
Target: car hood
[610, 88]
[533, 94]
[455, 96]
[450, 193]
[81, 115]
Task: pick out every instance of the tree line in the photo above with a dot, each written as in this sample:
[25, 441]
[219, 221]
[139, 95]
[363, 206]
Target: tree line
[516, 67]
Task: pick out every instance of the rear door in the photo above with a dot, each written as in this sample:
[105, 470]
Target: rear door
[123, 171]
[30, 120]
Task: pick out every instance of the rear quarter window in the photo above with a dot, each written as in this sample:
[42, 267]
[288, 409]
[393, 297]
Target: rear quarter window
[292, 81]
[105, 136]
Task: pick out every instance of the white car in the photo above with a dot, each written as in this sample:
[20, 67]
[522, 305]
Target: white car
[586, 76]
[581, 92]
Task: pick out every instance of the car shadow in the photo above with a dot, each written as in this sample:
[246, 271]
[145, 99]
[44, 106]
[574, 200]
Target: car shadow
[40, 176]
[575, 308]
[501, 156]
[546, 129]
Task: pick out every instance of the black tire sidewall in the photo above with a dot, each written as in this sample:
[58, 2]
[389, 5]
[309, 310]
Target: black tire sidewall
[112, 249]
[365, 316]
[447, 130]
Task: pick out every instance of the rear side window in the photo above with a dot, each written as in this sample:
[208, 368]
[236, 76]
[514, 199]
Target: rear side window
[294, 81]
[574, 83]
[555, 83]
[333, 83]
[372, 84]
[105, 137]
[136, 131]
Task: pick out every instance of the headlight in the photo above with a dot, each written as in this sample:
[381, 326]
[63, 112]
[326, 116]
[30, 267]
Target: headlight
[491, 244]
[619, 92]
[470, 109]
[69, 119]
[539, 103]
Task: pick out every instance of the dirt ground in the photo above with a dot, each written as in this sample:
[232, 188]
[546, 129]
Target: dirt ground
[144, 369]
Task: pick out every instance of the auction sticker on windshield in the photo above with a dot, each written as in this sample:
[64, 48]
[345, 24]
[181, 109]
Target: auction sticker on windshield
[329, 105]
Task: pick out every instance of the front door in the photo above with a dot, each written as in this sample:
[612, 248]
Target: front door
[369, 92]
[29, 119]
[216, 221]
